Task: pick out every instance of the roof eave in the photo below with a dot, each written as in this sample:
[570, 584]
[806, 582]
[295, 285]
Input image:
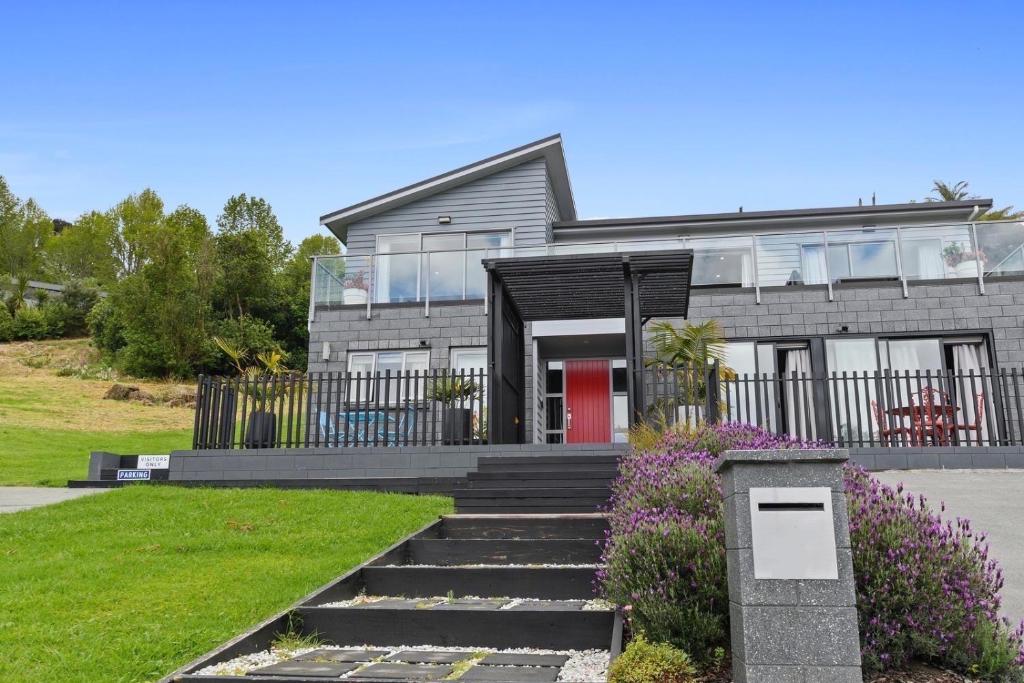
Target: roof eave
[549, 148]
[961, 209]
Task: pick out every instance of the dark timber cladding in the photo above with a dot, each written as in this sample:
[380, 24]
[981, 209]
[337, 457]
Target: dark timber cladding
[636, 286]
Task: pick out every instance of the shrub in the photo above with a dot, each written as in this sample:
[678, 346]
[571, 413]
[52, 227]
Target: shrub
[247, 333]
[56, 314]
[29, 323]
[80, 298]
[106, 327]
[926, 588]
[644, 662]
[6, 325]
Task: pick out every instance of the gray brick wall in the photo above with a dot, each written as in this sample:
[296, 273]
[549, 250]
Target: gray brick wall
[874, 309]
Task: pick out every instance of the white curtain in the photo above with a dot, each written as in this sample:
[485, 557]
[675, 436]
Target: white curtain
[799, 405]
[747, 265]
[967, 358]
[924, 259]
[812, 262]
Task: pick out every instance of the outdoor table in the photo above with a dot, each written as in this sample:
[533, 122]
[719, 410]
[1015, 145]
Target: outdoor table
[917, 414]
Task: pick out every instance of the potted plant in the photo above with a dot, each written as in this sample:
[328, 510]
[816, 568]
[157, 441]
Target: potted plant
[685, 351]
[261, 429]
[963, 262]
[454, 393]
[355, 290]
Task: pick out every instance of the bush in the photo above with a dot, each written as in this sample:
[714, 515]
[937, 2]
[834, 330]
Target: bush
[29, 323]
[926, 588]
[6, 325]
[56, 314]
[643, 662]
[80, 298]
[106, 327]
[250, 334]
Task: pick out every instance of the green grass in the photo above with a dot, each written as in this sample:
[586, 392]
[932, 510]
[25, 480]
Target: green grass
[129, 585]
[33, 456]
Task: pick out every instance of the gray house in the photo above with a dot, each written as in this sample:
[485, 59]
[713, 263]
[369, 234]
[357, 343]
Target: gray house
[870, 325]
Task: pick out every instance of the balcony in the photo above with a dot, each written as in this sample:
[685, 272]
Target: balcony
[754, 260]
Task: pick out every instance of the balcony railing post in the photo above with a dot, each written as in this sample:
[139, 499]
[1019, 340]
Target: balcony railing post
[757, 274]
[828, 268]
[977, 258]
[899, 262]
[371, 283]
[426, 298]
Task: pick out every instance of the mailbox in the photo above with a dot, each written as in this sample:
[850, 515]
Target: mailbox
[793, 533]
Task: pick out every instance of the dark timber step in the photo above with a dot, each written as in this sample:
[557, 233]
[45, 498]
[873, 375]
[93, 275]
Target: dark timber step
[449, 552]
[473, 609]
[558, 630]
[524, 526]
[546, 583]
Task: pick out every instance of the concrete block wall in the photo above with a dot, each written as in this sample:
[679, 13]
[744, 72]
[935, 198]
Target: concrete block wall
[346, 463]
[875, 308]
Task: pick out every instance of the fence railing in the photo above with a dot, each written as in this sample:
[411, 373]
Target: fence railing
[826, 256]
[851, 409]
[339, 409]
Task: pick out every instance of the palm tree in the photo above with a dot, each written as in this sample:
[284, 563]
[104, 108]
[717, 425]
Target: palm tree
[697, 344]
[958, 192]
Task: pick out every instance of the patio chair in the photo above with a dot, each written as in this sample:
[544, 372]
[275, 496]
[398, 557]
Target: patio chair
[976, 426]
[885, 432]
[932, 423]
[328, 430]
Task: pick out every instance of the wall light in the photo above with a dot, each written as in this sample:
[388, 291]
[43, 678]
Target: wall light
[444, 220]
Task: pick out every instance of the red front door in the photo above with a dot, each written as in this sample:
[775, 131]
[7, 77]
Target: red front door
[588, 401]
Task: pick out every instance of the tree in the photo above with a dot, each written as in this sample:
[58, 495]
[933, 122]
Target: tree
[251, 251]
[135, 219]
[82, 250]
[164, 306]
[958, 192]
[24, 229]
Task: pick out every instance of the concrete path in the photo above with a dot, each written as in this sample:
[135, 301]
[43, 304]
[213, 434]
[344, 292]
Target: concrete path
[15, 498]
[994, 502]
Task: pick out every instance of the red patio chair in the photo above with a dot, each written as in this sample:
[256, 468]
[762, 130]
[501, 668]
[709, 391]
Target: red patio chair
[885, 432]
[976, 426]
[932, 420]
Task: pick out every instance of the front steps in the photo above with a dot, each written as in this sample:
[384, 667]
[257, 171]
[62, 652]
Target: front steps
[480, 584]
[538, 484]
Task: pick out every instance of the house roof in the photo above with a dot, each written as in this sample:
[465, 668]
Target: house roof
[549, 148]
[937, 211]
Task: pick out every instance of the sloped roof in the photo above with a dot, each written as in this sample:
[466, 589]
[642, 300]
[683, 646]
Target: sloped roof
[549, 148]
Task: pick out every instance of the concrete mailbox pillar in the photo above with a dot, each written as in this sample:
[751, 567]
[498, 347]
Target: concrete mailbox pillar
[792, 603]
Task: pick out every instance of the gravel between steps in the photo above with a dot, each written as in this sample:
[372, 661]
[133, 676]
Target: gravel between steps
[584, 666]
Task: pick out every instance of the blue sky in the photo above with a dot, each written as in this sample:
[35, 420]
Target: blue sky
[665, 108]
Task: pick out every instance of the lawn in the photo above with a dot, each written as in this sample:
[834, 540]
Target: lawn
[130, 584]
[49, 423]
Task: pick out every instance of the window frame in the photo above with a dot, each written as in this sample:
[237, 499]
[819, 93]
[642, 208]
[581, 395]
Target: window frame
[422, 259]
[399, 396]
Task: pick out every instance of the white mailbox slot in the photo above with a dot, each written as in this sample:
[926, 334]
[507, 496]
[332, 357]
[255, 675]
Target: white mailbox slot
[793, 533]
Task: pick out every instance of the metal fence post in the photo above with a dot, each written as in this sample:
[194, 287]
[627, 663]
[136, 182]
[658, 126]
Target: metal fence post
[711, 393]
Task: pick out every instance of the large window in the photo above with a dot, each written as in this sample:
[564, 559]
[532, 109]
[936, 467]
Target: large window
[438, 266]
[373, 367]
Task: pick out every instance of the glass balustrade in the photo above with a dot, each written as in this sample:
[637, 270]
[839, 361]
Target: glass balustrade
[439, 273]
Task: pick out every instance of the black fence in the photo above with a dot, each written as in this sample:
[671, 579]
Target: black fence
[338, 409]
[850, 409]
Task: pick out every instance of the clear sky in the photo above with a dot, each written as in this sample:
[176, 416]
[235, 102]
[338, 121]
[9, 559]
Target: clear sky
[664, 108]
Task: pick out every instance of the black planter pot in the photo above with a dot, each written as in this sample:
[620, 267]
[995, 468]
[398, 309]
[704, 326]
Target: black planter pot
[261, 431]
[457, 426]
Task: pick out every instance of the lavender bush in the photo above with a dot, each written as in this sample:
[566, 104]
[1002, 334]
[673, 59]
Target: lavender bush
[926, 588]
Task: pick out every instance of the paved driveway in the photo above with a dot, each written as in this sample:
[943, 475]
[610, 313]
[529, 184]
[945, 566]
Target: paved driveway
[994, 502]
[15, 498]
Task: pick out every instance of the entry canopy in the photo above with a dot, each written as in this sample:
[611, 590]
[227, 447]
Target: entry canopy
[580, 286]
